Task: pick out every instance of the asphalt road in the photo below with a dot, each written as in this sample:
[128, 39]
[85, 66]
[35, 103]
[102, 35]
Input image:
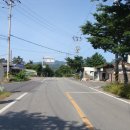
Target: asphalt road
[62, 104]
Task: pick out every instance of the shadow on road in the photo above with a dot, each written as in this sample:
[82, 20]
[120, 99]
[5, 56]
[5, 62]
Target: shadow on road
[5, 102]
[21, 86]
[35, 121]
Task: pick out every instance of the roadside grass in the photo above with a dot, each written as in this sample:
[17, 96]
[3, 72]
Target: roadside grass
[118, 89]
[4, 95]
[76, 76]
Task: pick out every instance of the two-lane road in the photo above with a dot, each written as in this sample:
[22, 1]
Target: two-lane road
[62, 104]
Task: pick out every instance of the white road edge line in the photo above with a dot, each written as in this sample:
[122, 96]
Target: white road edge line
[12, 103]
[109, 95]
[105, 94]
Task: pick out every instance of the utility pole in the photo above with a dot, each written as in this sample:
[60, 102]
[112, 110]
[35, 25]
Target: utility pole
[9, 33]
[11, 57]
[10, 4]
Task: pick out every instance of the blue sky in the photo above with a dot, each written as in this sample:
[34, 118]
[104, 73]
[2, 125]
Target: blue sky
[51, 23]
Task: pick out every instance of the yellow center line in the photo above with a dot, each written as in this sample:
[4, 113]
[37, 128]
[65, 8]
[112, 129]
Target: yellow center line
[80, 112]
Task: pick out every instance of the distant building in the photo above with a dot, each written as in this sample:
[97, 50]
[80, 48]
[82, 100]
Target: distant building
[105, 73]
[101, 73]
[14, 68]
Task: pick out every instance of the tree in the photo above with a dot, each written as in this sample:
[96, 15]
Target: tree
[63, 71]
[30, 65]
[3, 60]
[30, 62]
[18, 60]
[95, 60]
[115, 1]
[47, 72]
[38, 68]
[75, 64]
[111, 32]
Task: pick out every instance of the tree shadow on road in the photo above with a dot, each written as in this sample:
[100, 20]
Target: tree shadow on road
[5, 102]
[36, 121]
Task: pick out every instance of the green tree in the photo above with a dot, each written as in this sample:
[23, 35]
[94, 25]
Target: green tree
[115, 1]
[30, 65]
[47, 72]
[38, 68]
[111, 32]
[63, 71]
[18, 60]
[75, 64]
[95, 60]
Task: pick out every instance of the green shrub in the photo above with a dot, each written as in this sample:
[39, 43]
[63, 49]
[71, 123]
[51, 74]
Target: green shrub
[76, 76]
[118, 89]
[125, 92]
[21, 76]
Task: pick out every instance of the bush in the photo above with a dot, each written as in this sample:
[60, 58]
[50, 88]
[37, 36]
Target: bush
[125, 92]
[21, 76]
[113, 88]
[118, 89]
[76, 76]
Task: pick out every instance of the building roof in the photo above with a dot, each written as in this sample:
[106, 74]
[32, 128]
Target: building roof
[105, 66]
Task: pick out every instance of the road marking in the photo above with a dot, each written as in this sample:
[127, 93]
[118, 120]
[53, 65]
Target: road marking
[12, 103]
[119, 99]
[109, 95]
[80, 112]
[83, 92]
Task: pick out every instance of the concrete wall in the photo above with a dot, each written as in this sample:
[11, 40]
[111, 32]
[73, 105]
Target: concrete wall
[128, 60]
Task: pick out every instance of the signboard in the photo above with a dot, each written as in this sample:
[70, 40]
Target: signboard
[48, 60]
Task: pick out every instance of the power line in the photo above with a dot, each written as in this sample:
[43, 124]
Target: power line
[37, 21]
[28, 50]
[3, 55]
[42, 21]
[34, 19]
[40, 45]
[90, 9]
[58, 51]
[3, 37]
[36, 15]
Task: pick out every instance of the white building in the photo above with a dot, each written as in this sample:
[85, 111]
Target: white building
[90, 73]
[101, 73]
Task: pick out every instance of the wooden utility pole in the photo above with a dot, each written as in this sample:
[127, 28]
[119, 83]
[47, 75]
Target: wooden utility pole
[10, 4]
[9, 33]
